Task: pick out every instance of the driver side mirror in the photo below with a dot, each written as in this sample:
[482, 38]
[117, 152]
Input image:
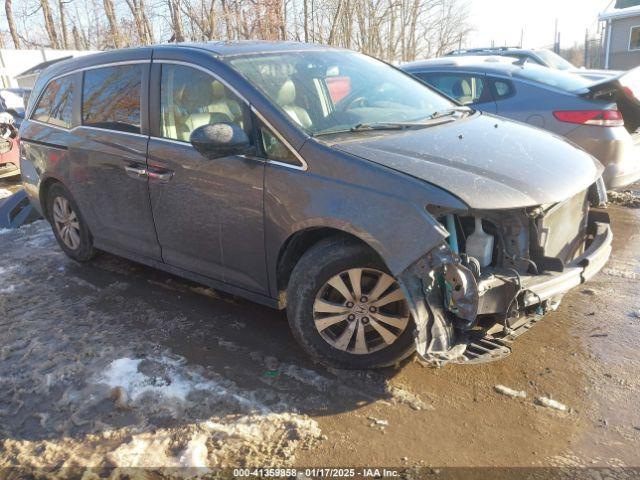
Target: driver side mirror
[220, 140]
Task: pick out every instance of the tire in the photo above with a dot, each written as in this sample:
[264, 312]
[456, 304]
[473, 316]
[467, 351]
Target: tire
[309, 284]
[78, 242]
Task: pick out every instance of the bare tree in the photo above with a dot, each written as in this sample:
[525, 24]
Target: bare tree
[77, 41]
[394, 30]
[63, 24]
[8, 8]
[49, 24]
[141, 21]
[176, 21]
[110, 12]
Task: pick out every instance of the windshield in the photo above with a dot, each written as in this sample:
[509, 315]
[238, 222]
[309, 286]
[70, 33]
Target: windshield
[567, 82]
[553, 60]
[329, 91]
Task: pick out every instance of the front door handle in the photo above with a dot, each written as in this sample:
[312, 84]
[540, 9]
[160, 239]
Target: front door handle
[136, 172]
[161, 175]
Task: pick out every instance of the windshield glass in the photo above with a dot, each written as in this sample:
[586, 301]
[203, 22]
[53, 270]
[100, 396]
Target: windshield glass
[567, 82]
[327, 91]
[553, 60]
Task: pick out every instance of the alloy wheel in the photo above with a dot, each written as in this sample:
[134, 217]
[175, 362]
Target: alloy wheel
[361, 311]
[66, 223]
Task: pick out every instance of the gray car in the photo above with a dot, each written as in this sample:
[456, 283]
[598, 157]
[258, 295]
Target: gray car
[373, 209]
[600, 116]
[535, 56]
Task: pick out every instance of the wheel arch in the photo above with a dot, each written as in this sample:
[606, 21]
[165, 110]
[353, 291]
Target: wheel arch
[299, 242]
[45, 187]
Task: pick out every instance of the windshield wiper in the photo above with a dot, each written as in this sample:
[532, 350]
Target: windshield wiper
[365, 127]
[380, 126]
[371, 126]
[450, 112]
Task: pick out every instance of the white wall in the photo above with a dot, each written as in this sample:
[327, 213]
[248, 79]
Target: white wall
[14, 62]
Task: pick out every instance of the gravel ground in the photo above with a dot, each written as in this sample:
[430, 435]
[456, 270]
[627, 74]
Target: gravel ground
[115, 364]
[629, 197]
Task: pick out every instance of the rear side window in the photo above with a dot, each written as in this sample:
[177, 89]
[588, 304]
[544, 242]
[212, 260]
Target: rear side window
[502, 89]
[55, 106]
[111, 98]
[468, 89]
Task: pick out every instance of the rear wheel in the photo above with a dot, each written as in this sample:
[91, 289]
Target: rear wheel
[346, 310]
[68, 226]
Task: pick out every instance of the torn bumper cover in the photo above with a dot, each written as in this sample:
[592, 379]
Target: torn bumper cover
[447, 299]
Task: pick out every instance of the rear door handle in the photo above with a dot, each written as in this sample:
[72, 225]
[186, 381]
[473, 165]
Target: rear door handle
[136, 172]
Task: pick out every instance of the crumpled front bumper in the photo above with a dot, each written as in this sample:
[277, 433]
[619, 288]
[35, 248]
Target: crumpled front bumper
[442, 337]
[581, 269]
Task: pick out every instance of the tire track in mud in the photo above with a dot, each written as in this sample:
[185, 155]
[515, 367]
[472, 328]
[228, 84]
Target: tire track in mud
[101, 367]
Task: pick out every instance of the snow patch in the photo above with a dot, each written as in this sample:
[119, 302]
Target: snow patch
[551, 403]
[196, 452]
[510, 392]
[124, 373]
[152, 450]
[614, 272]
[219, 442]
[167, 379]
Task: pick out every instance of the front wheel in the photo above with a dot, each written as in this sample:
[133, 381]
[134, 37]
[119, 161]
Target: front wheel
[346, 310]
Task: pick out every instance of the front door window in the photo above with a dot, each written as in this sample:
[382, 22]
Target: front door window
[191, 98]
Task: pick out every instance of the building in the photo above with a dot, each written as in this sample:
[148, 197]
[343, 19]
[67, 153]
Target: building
[27, 79]
[13, 63]
[622, 34]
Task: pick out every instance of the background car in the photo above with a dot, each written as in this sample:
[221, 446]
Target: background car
[541, 56]
[602, 117]
[9, 146]
[14, 101]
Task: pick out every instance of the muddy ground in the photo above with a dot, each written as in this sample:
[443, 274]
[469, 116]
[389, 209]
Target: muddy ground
[112, 363]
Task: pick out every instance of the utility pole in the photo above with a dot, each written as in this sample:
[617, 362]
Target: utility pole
[521, 36]
[586, 48]
[556, 46]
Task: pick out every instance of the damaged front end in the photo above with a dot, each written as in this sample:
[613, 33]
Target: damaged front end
[499, 273]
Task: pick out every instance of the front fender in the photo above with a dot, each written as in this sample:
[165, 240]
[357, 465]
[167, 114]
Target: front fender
[384, 208]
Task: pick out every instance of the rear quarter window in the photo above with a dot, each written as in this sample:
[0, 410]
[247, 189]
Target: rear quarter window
[466, 88]
[111, 98]
[502, 89]
[55, 106]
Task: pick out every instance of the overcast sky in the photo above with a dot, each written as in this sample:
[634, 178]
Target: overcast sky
[502, 21]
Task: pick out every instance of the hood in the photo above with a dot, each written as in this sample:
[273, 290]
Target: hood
[486, 161]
